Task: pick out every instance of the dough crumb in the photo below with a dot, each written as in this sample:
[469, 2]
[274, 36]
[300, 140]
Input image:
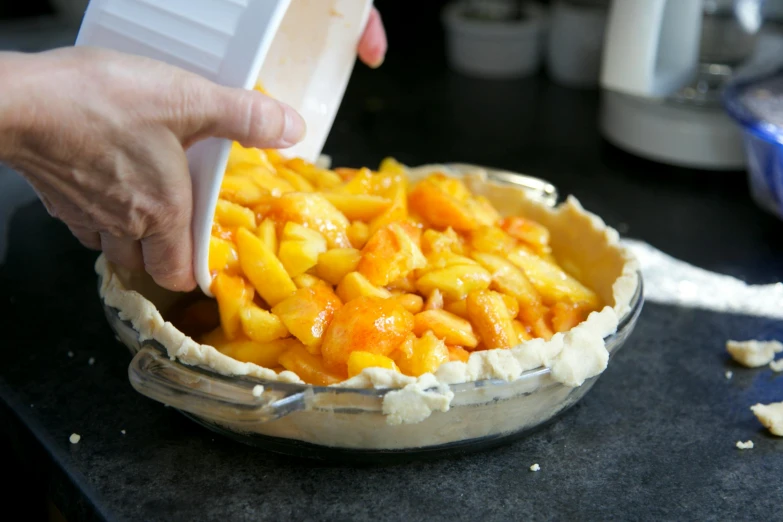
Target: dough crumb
[753, 353]
[729, 374]
[776, 366]
[771, 416]
[75, 438]
[258, 390]
[91, 361]
[122, 431]
[535, 467]
[70, 354]
[745, 445]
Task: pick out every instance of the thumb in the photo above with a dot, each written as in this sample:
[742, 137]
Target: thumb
[249, 117]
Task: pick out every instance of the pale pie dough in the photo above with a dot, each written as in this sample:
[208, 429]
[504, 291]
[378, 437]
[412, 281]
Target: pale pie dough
[580, 240]
[771, 416]
[753, 353]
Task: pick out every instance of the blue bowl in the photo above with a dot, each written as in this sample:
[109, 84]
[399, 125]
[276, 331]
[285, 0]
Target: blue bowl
[757, 105]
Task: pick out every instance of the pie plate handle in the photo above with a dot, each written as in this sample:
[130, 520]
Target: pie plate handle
[212, 397]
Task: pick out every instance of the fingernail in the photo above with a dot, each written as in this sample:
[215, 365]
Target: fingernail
[294, 129]
[377, 63]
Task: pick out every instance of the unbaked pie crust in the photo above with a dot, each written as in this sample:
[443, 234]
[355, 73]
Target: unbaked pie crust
[581, 242]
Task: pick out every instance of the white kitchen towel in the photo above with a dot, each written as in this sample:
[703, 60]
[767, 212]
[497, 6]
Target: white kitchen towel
[670, 281]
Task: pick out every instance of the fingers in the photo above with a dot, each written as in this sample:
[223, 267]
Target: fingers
[168, 258]
[373, 44]
[167, 250]
[86, 236]
[249, 117]
[125, 252]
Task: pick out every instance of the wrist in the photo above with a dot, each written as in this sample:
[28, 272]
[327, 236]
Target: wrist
[9, 111]
[12, 80]
[24, 78]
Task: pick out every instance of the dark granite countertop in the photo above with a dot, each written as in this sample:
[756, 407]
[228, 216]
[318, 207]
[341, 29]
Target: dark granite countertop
[653, 440]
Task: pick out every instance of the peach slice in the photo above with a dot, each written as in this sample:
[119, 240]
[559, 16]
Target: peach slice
[420, 355]
[300, 248]
[363, 207]
[260, 325]
[232, 293]
[264, 270]
[314, 211]
[390, 254]
[333, 265]
[488, 314]
[446, 326]
[438, 207]
[307, 314]
[527, 230]
[365, 324]
[358, 361]
[310, 368]
[355, 285]
[223, 256]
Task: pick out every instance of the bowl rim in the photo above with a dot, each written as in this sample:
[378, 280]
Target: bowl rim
[758, 126]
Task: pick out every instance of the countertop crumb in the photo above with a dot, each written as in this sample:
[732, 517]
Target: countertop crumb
[75, 438]
[753, 353]
[729, 374]
[258, 390]
[535, 467]
[70, 354]
[122, 431]
[744, 445]
[776, 366]
[771, 416]
[91, 361]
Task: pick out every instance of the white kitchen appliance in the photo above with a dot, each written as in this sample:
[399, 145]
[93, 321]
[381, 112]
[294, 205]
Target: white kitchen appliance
[664, 65]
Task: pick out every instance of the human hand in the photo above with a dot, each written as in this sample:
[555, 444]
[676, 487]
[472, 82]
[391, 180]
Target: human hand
[101, 136]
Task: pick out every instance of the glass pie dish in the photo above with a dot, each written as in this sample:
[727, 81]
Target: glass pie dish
[349, 423]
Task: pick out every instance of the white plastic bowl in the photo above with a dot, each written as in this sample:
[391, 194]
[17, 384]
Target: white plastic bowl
[494, 49]
[303, 51]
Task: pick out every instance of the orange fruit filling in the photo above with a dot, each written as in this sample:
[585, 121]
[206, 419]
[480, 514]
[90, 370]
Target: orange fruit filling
[327, 272]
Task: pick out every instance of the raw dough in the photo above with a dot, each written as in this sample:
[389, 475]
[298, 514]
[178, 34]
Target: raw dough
[771, 416]
[753, 353]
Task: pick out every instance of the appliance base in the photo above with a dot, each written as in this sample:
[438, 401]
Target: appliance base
[671, 133]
